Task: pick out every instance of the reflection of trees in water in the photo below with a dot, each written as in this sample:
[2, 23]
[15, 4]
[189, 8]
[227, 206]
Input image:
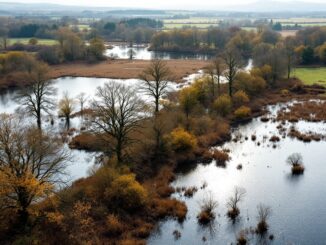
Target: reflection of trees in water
[208, 231]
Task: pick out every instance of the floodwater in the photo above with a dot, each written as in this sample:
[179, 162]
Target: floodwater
[142, 53]
[82, 161]
[298, 203]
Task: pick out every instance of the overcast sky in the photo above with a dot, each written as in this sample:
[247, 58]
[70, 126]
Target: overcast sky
[157, 4]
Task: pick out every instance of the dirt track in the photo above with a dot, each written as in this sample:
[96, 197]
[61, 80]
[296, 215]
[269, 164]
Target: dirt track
[123, 68]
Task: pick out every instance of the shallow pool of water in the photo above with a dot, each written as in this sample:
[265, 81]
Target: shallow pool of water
[142, 53]
[298, 203]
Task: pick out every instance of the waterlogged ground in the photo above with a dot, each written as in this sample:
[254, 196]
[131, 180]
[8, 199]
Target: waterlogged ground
[298, 203]
[142, 53]
[81, 161]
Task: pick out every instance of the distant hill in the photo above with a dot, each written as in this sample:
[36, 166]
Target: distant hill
[267, 6]
[277, 6]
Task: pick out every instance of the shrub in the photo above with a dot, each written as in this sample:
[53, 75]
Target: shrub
[296, 161]
[223, 105]
[114, 226]
[182, 141]
[232, 204]
[221, 157]
[242, 112]
[242, 238]
[240, 98]
[189, 192]
[208, 206]
[285, 92]
[50, 55]
[252, 84]
[169, 207]
[274, 139]
[33, 41]
[126, 193]
[297, 170]
[263, 214]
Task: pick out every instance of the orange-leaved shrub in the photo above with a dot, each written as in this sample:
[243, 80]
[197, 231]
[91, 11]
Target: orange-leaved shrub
[182, 140]
[223, 105]
[126, 193]
[242, 112]
[240, 98]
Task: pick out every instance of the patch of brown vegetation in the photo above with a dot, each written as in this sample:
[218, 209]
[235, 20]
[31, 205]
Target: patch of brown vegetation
[305, 137]
[123, 69]
[312, 111]
[221, 157]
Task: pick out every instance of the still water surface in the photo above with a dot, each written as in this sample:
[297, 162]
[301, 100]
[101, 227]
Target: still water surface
[298, 203]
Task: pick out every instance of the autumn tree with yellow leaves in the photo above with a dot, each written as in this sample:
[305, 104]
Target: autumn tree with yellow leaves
[31, 163]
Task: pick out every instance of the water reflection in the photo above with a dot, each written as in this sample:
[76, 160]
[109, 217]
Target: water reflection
[142, 53]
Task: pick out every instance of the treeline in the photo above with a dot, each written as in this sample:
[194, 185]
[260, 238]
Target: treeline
[306, 47]
[138, 30]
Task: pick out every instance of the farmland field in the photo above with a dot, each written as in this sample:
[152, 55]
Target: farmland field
[26, 40]
[311, 75]
[302, 21]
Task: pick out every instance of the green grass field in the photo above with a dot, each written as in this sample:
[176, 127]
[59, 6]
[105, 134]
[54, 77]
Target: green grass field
[311, 75]
[48, 42]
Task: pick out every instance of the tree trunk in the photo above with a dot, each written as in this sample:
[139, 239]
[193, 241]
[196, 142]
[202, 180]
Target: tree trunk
[156, 104]
[230, 88]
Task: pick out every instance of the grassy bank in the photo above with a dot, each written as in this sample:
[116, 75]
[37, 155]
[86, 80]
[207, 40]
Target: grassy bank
[311, 75]
[123, 69]
[48, 42]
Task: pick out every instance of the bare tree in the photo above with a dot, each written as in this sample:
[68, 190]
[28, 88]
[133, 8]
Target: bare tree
[39, 97]
[117, 114]
[295, 159]
[66, 108]
[207, 206]
[131, 54]
[238, 195]
[231, 59]
[155, 81]
[289, 45]
[3, 38]
[264, 213]
[82, 99]
[215, 70]
[31, 163]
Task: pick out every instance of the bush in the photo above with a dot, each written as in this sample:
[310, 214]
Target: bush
[182, 141]
[126, 193]
[251, 84]
[114, 226]
[297, 170]
[221, 157]
[207, 213]
[223, 105]
[242, 238]
[169, 207]
[242, 112]
[33, 41]
[240, 98]
[50, 55]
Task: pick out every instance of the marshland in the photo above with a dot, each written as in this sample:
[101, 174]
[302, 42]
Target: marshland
[162, 127]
